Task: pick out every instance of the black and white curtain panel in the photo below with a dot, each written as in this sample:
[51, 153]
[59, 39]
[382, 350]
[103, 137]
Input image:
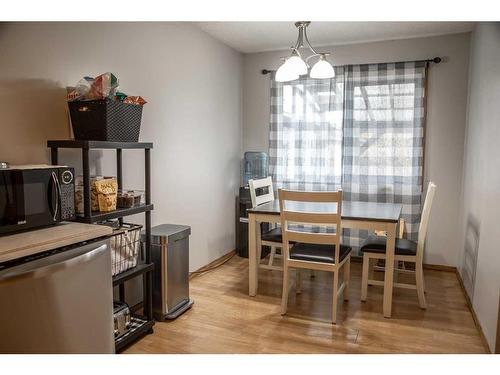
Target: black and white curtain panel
[362, 130]
[305, 139]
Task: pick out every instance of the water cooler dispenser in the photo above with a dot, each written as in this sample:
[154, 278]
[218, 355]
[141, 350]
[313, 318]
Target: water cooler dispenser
[255, 166]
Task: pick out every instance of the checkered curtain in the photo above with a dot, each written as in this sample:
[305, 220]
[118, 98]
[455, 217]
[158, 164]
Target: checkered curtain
[362, 130]
[305, 140]
[383, 139]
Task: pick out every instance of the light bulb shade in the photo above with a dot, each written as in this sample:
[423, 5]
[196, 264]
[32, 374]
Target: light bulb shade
[285, 74]
[297, 65]
[322, 69]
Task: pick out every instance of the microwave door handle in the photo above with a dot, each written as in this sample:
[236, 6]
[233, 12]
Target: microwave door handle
[50, 195]
[58, 194]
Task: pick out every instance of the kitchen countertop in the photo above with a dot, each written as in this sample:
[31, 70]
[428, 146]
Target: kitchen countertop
[39, 240]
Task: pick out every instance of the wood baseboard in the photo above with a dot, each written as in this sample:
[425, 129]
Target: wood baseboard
[440, 267]
[474, 316]
[213, 264]
[497, 346]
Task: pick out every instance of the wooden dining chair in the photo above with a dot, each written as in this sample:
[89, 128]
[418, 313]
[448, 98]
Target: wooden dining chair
[374, 247]
[314, 250]
[271, 238]
[379, 266]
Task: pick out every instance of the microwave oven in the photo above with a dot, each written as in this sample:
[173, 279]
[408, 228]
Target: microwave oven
[34, 196]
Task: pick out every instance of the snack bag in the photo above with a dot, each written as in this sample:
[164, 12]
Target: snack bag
[104, 86]
[137, 100]
[107, 194]
[83, 86]
[120, 96]
[71, 94]
[80, 91]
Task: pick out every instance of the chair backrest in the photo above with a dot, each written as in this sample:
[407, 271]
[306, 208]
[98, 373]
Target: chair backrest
[259, 184]
[424, 219]
[302, 213]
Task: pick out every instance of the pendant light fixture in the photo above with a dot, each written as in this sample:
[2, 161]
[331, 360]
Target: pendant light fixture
[295, 65]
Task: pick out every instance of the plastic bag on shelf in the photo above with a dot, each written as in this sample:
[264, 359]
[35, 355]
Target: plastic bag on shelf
[103, 86]
[81, 90]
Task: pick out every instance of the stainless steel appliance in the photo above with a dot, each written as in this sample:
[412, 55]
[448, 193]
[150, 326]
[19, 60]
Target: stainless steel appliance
[58, 301]
[170, 254]
[33, 196]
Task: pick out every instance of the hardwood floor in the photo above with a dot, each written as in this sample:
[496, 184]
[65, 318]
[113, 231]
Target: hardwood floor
[224, 319]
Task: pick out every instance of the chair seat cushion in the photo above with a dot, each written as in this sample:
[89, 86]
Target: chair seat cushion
[274, 235]
[317, 253]
[377, 244]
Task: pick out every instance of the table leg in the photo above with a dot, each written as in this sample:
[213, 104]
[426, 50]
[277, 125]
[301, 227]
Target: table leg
[389, 269]
[253, 234]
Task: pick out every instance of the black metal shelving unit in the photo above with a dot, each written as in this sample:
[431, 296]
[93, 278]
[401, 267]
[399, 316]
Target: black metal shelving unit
[142, 324]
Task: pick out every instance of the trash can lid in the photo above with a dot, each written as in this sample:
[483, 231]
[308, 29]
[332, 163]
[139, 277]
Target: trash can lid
[165, 233]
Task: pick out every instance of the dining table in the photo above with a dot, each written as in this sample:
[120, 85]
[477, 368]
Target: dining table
[371, 216]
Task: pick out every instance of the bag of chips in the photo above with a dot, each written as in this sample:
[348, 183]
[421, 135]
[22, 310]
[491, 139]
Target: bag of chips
[103, 86]
[71, 94]
[137, 100]
[120, 96]
[106, 194]
[81, 90]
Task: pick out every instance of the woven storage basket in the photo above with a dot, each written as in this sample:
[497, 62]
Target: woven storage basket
[105, 120]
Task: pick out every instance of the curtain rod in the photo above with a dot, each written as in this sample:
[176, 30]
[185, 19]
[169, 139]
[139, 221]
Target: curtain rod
[435, 60]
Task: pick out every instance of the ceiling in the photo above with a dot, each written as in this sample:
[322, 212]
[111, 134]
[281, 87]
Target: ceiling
[250, 37]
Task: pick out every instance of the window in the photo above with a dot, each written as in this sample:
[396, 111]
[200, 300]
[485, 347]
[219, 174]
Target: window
[306, 134]
[362, 131]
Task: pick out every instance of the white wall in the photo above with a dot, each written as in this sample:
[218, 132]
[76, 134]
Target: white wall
[445, 119]
[481, 178]
[193, 85]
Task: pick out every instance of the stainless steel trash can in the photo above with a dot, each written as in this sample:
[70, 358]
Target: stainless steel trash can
[170, 254]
